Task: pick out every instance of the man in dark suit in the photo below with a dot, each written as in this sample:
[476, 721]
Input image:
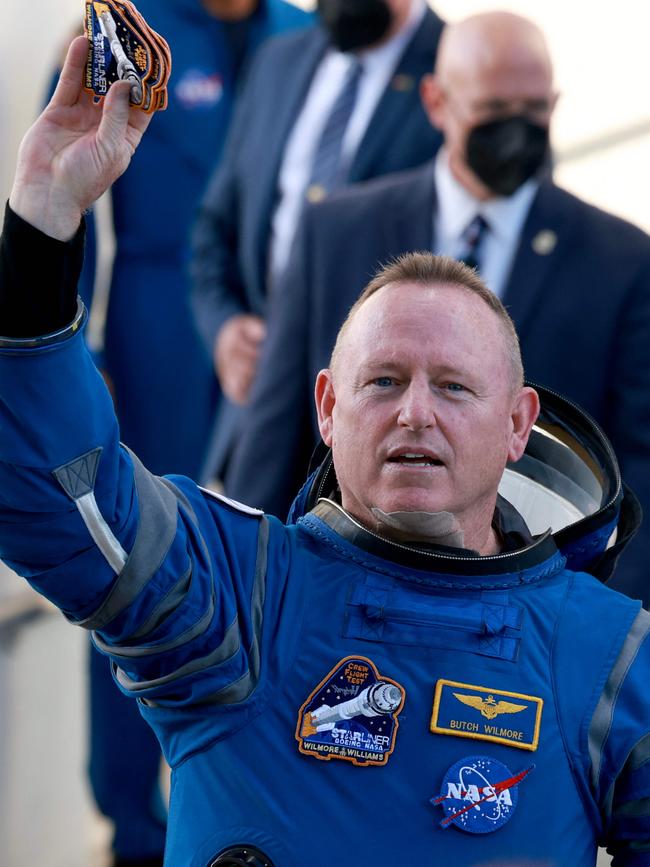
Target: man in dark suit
[334, 105]
[576, 280]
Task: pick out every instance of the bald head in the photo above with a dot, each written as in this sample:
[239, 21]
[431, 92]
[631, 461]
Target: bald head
[427, 271]
[491, 40]
[490, 68]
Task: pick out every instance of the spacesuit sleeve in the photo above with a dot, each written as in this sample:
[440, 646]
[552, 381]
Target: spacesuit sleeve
[619, 748]
[171, 581]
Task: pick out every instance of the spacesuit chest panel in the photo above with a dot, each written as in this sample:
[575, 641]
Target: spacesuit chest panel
[484, 622]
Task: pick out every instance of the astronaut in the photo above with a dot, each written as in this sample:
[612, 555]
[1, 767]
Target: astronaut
[432, 598]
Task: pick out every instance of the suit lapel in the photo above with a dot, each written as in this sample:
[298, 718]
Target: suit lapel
[293, 86]
[401, 97]
[408, 225]
[544, 240]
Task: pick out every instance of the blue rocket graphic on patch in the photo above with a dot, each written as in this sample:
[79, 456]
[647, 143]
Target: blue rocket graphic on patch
[479, 794]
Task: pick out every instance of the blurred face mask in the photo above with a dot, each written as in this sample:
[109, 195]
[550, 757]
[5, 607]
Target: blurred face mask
[505, 153]
[354, 24]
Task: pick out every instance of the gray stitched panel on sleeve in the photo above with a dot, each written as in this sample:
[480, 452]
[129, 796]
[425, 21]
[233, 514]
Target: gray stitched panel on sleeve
[77, 477]
[156, 530]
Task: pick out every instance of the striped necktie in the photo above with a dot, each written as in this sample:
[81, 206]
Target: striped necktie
[472, 239]
[328, 169]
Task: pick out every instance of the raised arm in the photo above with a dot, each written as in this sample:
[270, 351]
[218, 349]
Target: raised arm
[169, 580]
[74, 151]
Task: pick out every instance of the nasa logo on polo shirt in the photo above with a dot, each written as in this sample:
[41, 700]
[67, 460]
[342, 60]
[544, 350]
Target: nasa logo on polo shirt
[479, 794]
[198, 89]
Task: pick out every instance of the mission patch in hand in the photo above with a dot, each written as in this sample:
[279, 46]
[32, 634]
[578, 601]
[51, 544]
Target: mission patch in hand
[124, 48]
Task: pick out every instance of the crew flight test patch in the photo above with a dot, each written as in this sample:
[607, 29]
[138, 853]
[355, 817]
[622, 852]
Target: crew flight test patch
[486, 714]
[351, 715]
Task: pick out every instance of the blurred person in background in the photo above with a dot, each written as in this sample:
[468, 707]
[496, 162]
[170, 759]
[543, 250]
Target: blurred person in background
[324, 108]
[576, 280]
[161, 378]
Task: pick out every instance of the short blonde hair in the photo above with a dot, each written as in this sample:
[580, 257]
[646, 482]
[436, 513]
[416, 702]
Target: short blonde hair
[427, 270]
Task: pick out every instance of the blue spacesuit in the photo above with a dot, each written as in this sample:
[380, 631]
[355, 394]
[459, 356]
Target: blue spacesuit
[165, 387]
[324, 694]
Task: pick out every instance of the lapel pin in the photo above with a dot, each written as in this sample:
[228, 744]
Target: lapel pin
[315, 193]
[403, 83]
[544, 242]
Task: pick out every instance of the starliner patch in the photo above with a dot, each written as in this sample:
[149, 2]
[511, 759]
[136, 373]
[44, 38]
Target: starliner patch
[486, 714]
[479, 794]
[351, 715]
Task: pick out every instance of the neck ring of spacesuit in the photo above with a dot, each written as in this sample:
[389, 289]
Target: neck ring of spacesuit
[567, 487]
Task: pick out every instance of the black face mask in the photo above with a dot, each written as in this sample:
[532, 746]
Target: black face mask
[353, 24]
[504, 153]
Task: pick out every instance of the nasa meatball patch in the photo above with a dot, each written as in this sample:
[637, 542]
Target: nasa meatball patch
[486, 714]
[351, 715]
[479, 794]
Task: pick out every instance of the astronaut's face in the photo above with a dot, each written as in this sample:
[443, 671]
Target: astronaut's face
[420, 411]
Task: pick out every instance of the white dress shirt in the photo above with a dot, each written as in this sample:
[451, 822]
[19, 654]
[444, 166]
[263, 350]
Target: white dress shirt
[379, 65]
[505, 216]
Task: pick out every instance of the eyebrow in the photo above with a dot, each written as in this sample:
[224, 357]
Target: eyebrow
[371, 367]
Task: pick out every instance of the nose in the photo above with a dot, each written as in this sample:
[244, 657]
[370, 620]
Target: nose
[417, 407]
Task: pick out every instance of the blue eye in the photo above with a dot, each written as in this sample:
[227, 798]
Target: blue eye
[454, 386]
[383, 381]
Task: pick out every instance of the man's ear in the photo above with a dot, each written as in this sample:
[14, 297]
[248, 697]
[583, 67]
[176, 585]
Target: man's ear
[433, 100]
[524, 415]
[325, 400]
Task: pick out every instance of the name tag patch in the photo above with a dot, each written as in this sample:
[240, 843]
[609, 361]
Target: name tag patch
[469, 711]
[351, 715]
[479, 794]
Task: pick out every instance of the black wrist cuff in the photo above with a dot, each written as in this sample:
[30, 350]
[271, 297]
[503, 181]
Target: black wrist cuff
[38, 281]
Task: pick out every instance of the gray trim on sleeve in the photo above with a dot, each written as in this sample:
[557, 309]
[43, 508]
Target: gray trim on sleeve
[601, 721]
[157, 522]
[188, 635]
[227, 649]
[634, 809]
[170, 602]
[640, 754]
[257, 602]
[101, 533]
[243, 687]
[182, 499]
[77, 478]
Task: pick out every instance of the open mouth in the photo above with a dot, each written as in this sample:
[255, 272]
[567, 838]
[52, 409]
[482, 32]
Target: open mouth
[415, 459]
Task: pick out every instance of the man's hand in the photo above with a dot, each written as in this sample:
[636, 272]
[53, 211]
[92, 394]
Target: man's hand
[236, 354]
[74, 151]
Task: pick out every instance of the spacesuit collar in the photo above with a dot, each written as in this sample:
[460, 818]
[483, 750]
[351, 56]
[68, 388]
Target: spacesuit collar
[567, 486]
[440, 558]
